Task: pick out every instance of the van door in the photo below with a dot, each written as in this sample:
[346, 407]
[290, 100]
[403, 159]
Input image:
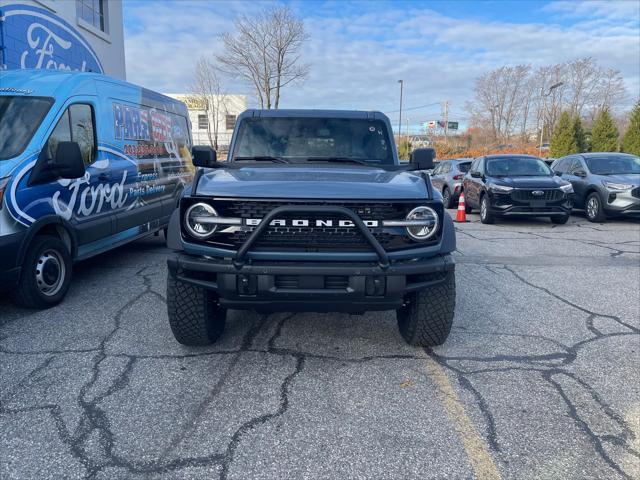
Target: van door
[87, 202]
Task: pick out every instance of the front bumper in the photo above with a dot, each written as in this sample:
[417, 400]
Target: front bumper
[506, 205]
[623, 203]
[9, 253]
[310, 286]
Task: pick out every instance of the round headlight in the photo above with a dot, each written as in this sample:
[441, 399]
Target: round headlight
[195, 220]
[428, 223]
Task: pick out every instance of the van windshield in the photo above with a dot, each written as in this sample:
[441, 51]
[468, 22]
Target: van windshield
[20, 117]
[306, 138]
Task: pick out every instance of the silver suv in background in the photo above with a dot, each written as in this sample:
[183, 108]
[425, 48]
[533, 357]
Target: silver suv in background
[447, 179]
[605, 184]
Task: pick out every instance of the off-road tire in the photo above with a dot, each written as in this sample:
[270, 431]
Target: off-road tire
[487, 217]
[447, 200]
[27, 293]
[599, 215]
[560, 220]
[427, 317]
[194, 316]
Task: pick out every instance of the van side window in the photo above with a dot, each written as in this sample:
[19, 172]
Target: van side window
[62, 133]
[75, 125]
[82, 131]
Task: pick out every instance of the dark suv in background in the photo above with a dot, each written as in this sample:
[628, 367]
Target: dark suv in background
[605, 184]
[447, 179]
[510, 185]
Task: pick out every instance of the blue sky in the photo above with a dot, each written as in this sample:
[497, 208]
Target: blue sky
[358, 50]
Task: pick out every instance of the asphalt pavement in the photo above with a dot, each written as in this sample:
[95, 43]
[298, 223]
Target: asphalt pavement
[539, 378]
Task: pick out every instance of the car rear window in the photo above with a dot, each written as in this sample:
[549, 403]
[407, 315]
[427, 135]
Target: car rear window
[464, 167]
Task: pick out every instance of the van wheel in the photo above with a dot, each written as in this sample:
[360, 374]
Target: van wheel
[427, 317]
[46, 274]
[194, 316]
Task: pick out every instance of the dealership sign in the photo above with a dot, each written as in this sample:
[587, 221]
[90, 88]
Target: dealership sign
[32, 37]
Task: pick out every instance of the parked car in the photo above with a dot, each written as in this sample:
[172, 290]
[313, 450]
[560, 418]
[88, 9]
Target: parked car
[447, 179]
[87, 163]
[312, 212]
[516, 185]
[605, 184]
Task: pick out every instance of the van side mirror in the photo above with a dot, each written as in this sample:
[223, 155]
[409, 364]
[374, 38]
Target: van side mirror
[422, 158]
[203, 156]
[68, 162]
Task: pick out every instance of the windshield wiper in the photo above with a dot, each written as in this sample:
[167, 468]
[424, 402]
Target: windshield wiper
[337, 160]
[261, 158]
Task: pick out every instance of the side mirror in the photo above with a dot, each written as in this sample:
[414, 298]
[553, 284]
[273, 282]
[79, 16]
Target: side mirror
[68, 162]
[580, 173]
[422, 158]
[476, 174]
[557, 173]
[203, 156]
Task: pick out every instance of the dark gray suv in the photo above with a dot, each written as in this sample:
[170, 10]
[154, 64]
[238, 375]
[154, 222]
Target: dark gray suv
[447, 179]
[605, 184]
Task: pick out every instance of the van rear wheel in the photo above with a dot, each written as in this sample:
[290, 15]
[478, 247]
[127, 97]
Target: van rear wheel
[45, 275]
[194, 316]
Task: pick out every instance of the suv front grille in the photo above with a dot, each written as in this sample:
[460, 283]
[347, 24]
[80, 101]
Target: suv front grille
[526, 195]
[313, 238]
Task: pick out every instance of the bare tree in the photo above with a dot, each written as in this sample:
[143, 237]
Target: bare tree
[206, 92]
[264, 51]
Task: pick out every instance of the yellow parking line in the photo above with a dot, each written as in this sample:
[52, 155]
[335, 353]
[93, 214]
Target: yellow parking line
[474, 446]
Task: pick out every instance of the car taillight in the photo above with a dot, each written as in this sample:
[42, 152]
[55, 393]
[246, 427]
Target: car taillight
[3, 185]
[458, 177]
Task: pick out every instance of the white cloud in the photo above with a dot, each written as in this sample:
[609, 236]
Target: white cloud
[357, 55]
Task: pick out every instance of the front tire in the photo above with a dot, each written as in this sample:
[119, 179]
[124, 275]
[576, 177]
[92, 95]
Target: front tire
[593, 209]
[427, 317]
[46, 274]
[485, 213]
[446, 198]
[194, 317]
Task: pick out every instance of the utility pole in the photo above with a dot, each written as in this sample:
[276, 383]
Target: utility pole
[400, 116]
[445, 114]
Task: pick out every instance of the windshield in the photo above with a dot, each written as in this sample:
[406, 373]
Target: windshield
[20, 117]
[517, 167]
[299, 138]
[614, 165]
[464, 167]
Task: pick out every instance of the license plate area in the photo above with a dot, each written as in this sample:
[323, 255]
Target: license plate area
[537, 203]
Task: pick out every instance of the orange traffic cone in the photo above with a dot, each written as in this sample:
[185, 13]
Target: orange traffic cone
[461, 216]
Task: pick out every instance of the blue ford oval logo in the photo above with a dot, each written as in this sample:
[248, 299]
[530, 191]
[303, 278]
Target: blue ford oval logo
[537, 193]
[43, 40]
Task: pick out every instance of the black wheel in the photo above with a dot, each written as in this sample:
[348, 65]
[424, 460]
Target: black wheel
[446, 198]
[427, 317]
[485, 213]
[593, 208]
[194, 316]
[46, 274]
[560, 220]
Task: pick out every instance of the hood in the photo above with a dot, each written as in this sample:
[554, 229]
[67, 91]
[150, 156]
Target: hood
[630, 178]
[312, 182]
[531, 182]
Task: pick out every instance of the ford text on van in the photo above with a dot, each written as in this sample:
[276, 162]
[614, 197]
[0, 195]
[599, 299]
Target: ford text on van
[87, 163]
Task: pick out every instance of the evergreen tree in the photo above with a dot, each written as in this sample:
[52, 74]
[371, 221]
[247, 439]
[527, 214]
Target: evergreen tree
[604, 134]
[631, 139]
[563, 141]
[579, 135]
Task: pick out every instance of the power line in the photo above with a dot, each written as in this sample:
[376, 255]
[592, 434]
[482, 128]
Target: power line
[414, 108]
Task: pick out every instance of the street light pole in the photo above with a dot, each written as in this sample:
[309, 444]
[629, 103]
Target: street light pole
[400, 116]
[544, 110]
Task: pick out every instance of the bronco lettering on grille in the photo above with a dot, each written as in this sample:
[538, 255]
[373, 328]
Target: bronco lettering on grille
[306, 223]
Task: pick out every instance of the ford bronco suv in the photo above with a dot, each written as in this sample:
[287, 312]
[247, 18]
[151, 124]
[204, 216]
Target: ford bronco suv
[311, 212]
